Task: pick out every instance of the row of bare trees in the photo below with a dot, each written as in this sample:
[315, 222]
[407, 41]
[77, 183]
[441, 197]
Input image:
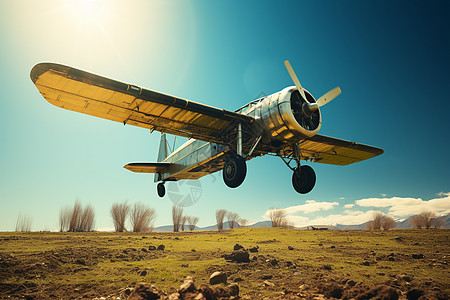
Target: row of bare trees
[426, 219]
[179, 220]
[232, 218]
[77, 218]
[141, 218]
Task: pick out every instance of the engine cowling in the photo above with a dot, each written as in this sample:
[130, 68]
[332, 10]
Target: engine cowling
[285, 115]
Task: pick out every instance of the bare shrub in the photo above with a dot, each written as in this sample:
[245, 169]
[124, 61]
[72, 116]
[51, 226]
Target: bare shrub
[377, 219]
[278, 217]
[87, 219]
[64, 219]
[424, 219]
[242, 222]
[75, 217]
[381, 221]
[388, 223]
[23, 224]
[232, 219]
[220, 215]
[183, 222]
[439, 222]
[428, 218]
[177, 216]
[286, 224]
[192, 222]
[142, 217]
[416, 221]
[119, 213]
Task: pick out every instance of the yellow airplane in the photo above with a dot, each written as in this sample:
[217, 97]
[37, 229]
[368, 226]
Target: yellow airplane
[284, 124]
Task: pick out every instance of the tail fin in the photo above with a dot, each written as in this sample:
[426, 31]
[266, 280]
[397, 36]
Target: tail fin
[163, 151]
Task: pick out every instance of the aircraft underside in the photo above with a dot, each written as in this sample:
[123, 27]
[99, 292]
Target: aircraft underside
[284, 124]
[196, 159]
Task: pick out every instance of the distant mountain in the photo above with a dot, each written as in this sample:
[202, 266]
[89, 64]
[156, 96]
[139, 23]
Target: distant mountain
[186, 227]
[400, 225]
[164, 228]
[446, 221]
[407, 224]
[262, 224]
[351, 227]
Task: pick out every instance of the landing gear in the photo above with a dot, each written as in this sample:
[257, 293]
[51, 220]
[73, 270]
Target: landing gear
[161, 189]
[234, 171]
[303, 179]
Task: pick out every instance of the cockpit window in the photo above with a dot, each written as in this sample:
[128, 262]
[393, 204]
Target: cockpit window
[248, 106]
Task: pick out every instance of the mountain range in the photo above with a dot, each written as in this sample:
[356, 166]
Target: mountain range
[405, 224]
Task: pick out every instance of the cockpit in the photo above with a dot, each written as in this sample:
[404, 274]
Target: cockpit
[249, 106]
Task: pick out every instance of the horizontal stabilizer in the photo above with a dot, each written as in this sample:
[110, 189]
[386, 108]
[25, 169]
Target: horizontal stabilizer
[147, 167]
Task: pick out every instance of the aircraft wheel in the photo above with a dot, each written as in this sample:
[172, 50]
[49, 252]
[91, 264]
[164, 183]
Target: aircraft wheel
[161, 189]
[234, 171]
[304, 179]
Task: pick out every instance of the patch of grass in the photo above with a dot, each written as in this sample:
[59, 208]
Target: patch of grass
[97, 263]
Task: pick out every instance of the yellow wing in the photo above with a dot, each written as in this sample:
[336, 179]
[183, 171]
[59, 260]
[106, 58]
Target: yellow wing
[333, 151]
[147, 167]
[91, 94]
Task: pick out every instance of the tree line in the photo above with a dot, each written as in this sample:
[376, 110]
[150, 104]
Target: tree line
[141, 218]
[426, 219]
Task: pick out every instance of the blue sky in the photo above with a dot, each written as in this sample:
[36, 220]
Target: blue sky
[390, 60]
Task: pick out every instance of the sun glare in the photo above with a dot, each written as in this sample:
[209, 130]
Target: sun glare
[86, 12]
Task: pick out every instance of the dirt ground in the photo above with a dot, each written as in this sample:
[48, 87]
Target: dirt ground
[282, 264]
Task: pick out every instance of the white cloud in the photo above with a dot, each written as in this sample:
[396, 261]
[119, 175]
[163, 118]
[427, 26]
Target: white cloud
[355, 218]
[310, 206]
[353, 212]
[349, 217]
[299, 221]
[397, 207]
[402, 207]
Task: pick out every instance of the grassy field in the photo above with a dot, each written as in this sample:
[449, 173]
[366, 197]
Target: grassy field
[97, 264]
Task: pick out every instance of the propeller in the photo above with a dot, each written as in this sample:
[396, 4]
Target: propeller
[305, 112]
[295, 80]
[328, 97]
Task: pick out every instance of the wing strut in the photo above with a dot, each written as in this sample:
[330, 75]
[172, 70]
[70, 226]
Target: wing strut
[254, 145]
[239, 140]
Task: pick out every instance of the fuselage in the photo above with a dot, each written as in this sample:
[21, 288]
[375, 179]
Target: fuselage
[275, 121]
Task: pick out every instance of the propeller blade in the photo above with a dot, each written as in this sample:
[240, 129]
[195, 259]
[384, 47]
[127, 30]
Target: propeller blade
[295, 80]
[329, 96]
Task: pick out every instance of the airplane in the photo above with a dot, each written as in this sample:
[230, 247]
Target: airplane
[284, 124]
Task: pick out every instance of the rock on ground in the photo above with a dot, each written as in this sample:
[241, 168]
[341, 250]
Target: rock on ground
[187, 291]
[217, 278]
[238, 256]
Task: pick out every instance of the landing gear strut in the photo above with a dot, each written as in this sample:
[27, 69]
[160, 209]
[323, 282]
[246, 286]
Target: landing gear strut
[161, 189]
[303, 179]
[234, 171]
[235, 167]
